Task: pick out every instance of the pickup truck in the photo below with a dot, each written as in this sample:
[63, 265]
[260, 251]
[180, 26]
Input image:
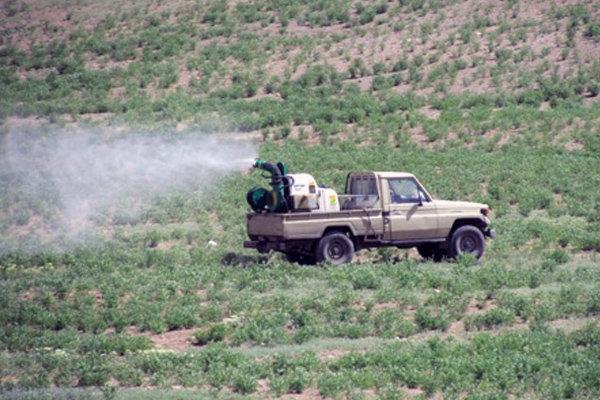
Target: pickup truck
[379, 209]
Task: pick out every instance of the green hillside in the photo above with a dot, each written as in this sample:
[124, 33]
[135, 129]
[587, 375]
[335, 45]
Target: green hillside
[429, 72]
[490, 101]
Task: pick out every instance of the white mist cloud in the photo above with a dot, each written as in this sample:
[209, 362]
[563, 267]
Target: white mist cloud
[85, 174]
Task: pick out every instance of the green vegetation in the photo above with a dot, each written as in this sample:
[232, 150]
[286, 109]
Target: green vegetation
[72, 302]
[498, 106]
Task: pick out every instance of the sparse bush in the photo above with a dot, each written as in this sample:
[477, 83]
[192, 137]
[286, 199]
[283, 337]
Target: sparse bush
[243, 382]
[558, 256]
[180, 317]
[168, 76]
[364, 278]
[378, 68]
[489, 320]
[331, 384]
[592, 30]
[216, 13]
[357, 68]
[381, 82]
[430, 319]
[366, 14]
[93, 371]
[401, 64]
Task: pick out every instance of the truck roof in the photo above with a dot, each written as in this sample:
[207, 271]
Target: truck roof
[388, 174]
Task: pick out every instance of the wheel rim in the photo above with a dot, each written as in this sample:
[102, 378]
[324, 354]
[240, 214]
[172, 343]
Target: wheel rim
[467, 244]
[336, 250]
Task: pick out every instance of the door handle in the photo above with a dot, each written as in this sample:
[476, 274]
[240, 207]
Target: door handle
[393, 212]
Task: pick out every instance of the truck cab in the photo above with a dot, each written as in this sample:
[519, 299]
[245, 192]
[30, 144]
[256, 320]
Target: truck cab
[407, 208]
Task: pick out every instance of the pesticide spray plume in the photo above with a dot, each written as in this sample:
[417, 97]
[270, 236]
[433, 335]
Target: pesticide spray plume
[60, 184]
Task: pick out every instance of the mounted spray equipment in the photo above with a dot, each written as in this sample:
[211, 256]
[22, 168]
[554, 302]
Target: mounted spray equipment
[260, 199]
[290, 192]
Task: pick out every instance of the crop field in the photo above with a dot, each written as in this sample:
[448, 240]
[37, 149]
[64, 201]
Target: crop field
[487, 101]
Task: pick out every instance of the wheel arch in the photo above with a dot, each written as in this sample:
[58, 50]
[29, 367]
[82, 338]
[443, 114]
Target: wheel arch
[345, 229]
[476, 222]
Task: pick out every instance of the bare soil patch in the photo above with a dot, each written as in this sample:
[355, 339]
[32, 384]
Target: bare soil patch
[262, 386]
[382, 306]
[413, 392]
[308, 394]
[177, 340]
[574, 145]
[27, 295]
[417, 136]
[572, 324]
[430, 112]
[331, 354]
[456, 328]
[475, 308]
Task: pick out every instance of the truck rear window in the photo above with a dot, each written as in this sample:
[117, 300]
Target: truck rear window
[363, 186]
[362, 193]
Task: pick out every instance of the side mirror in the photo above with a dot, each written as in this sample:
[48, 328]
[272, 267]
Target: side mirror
[421, 198]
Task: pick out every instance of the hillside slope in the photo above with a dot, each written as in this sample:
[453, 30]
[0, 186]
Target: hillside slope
[319, 70]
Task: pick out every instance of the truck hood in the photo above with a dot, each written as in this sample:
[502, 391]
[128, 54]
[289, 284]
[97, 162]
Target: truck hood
[458, 205]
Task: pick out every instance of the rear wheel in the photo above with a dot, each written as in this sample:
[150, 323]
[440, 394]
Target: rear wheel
[431, 251]
[467, 239]
[335, 248]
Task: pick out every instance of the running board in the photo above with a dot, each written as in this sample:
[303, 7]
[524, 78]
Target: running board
[411, 242]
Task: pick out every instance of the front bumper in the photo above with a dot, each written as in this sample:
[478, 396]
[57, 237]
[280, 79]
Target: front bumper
[489, 232]
[250, 244]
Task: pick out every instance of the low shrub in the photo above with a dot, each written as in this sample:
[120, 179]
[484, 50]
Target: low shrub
[489, 320]
[213, 334]
[431, 319]
[365, 278]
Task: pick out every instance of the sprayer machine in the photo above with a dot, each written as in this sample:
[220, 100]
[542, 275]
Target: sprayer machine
[290, 192]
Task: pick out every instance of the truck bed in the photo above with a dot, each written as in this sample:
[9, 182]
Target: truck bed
[311, 225]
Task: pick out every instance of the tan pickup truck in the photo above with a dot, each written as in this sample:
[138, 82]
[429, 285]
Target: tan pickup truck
[378, 209]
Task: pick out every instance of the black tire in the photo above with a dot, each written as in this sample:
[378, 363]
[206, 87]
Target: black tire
[301, 259]
[467, 239]
[335, 248]
[431, 251]
[261, 247]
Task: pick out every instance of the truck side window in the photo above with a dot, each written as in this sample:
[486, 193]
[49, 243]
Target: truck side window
[403, 190]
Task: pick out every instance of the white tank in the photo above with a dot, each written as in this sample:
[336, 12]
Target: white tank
[302, 184]
[328, 200]
[303, 192]
[307, 196]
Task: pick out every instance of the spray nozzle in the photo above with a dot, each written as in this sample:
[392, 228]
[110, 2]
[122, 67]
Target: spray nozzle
[258, 163]
[279, 169]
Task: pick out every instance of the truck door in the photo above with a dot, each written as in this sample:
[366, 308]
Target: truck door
[410, 214]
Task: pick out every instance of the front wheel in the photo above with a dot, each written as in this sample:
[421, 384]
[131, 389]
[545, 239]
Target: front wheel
[335, 248]
[467, 239]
